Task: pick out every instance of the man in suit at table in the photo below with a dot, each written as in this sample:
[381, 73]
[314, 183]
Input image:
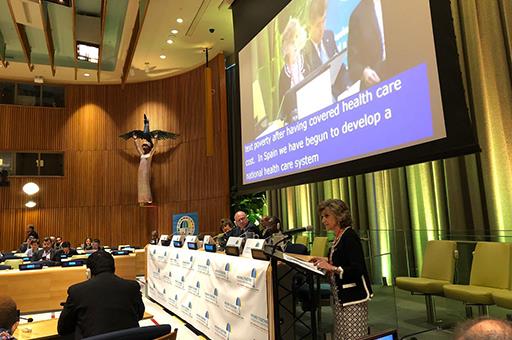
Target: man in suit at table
[367, 43]
[45, 254]
[321, 45]
[103, 304]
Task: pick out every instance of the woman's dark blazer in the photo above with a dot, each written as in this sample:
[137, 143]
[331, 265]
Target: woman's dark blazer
[354, 286]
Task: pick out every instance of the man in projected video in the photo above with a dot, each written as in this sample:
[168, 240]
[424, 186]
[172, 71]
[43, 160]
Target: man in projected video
[366, 43]
[321, 45]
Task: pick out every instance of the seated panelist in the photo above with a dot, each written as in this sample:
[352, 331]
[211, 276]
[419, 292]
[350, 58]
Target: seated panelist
[226, 228]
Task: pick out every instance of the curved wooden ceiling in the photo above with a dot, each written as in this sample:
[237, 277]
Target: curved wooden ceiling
[38, 38]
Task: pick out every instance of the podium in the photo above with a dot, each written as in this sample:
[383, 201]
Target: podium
[281, 310]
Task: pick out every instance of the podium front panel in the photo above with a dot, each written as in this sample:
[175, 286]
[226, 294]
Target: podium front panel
[224, 297]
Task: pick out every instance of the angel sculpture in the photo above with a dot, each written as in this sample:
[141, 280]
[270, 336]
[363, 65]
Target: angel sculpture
[146, 151]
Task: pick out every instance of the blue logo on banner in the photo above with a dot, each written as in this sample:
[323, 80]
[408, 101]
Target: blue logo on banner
[208, 262]
[207, 315]
[215, 292]
[198, 285]
[185, 224]
[226, 267]
[253, 273]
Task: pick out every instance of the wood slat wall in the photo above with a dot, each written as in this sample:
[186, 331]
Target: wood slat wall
[97, 197]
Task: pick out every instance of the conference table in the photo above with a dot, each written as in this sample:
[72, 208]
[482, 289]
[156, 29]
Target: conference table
[46, 329]
[44, 289]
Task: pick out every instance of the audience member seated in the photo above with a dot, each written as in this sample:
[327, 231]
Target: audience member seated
[53, 240]
[103, 304]
[154, 238]
[25, 245]
[31, 232]
[34, 248]
[226, 229]
[9, 317]
[271, 225]
[484, 328]
[58, 243]
[244, 226]
[45, 254]
[65, 250]
[96, 244]
[87, 245]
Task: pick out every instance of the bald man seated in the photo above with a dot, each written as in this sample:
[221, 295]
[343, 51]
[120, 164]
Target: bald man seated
[484, 328]
[243, 226]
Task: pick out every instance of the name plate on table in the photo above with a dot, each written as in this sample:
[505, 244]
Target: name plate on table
[234, 246]
[177, 241]
[208, 240]
[252, 243]
[192, 242]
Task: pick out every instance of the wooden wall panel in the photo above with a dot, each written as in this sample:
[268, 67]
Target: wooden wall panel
[97, 197]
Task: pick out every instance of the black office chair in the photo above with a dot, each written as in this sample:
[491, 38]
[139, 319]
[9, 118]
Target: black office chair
[138, 333]
[4, 267]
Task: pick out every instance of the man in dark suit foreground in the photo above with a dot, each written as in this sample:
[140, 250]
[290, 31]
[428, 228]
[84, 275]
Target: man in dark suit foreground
[103, 304]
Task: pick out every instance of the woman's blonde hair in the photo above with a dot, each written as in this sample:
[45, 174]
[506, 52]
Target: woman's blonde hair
[294, 35]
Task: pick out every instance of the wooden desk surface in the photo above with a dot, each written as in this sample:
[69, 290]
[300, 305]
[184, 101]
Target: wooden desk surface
[46, 329]
[40, 290]
[126, 266]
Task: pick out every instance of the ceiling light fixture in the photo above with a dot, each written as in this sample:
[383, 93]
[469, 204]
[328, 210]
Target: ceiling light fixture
[169, 41]
[174, 31]
[87, 74]
[163, 56]
[179, 20]
[31, 188]
[30, 204]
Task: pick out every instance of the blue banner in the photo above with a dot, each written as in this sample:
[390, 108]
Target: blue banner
[186, 223]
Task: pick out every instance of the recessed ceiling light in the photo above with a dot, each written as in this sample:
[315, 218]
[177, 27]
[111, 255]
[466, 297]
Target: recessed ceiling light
[174, 31]
[163, 56]
[169, 41]
[87, 74]
[179, 20]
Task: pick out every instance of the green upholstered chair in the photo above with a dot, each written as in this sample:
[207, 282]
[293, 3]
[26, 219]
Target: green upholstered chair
[320, 246]
[503, 298]
[14, 263]
[490, 273]
[302, 239]
[438, 270]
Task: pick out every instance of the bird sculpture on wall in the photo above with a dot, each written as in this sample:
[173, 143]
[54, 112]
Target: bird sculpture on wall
[149, 135]
[145, 143]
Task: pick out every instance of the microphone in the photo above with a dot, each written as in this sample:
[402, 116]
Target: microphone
[297, 230]
[26, 319]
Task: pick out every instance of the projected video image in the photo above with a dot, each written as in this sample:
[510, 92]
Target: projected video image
[327, 81]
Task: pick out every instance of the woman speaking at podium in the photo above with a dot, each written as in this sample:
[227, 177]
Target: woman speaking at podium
[350, 284]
